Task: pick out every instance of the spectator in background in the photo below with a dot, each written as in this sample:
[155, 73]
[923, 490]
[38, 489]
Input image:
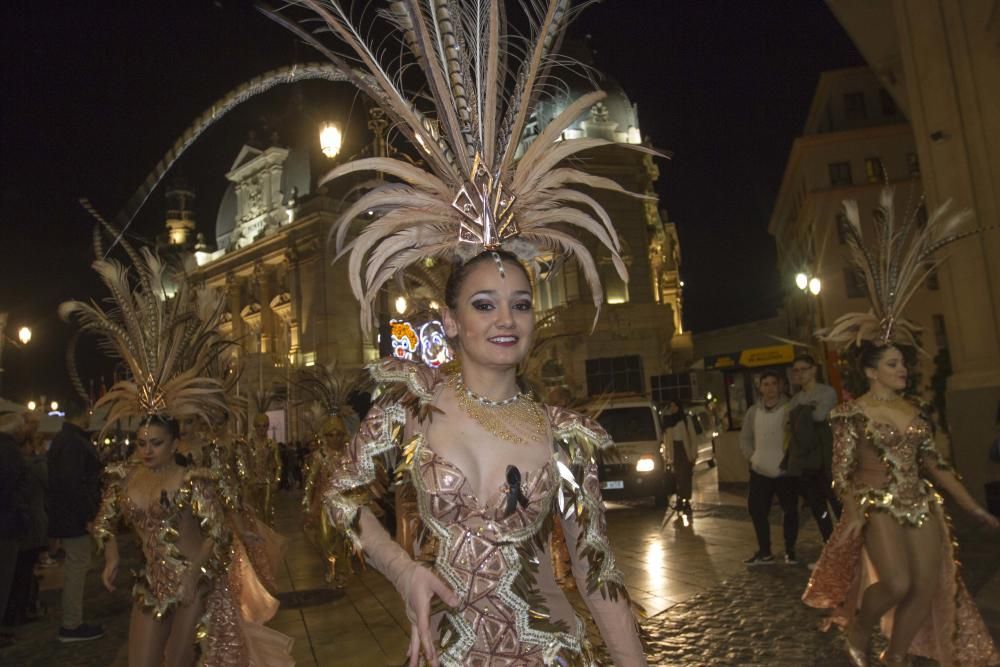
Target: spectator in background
[74, 498]
[13, 474]
[682, 450]
[22, 605]
[764, 440]
[809, 413]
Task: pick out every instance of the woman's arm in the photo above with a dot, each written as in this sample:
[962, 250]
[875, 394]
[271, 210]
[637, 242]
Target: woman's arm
[944, 477]
[845, 464]
[597, 578]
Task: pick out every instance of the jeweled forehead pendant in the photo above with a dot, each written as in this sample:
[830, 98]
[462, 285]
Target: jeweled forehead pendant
[499, 260]
[487, 209]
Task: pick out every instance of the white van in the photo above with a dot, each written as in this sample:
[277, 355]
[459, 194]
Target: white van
[636, 468]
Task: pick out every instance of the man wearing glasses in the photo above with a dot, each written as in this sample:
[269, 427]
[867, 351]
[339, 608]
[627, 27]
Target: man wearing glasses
[809, 412]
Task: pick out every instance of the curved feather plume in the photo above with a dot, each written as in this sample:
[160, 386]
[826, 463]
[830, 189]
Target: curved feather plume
[893, 266]
[166, 342]
[479, 82]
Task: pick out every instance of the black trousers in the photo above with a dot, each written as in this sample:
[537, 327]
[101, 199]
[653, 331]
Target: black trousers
[817, 490]
[759, 501]
[684, 470]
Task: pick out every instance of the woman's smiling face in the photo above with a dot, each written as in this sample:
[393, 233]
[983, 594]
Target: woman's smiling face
[493, 316]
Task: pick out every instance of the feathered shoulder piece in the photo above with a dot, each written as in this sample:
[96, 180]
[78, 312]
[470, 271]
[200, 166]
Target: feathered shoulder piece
[581, 435]
[409, 383]
[462, 87]
[893, 265]
[165, 340]
[846, 410]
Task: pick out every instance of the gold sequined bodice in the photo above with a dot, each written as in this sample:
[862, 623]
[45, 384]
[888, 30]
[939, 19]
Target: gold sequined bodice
[884, 466]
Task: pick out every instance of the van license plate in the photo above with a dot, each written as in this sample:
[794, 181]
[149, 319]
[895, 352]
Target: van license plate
[613, 484]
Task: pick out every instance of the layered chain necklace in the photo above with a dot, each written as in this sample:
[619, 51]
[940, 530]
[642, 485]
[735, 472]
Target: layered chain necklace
[497, 417]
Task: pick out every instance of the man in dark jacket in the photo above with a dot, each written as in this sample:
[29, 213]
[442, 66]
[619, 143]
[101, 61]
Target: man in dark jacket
[13, 474]
[74, 497]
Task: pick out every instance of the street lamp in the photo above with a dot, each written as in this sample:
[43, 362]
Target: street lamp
[24, 335]
[815, 285]
[330, 139]
[801, 281]
[54, 405]
[32, 405]
[401, 304]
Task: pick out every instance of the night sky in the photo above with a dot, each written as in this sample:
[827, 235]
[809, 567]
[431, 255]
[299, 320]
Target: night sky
[93, 94]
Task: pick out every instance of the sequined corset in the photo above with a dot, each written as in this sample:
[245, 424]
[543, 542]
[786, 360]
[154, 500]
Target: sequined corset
[479, 556]
[883, 466]
[158, 583]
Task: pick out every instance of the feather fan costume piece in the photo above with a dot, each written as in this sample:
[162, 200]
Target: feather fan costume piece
[166, 341]
[486, 185]
[893, 267]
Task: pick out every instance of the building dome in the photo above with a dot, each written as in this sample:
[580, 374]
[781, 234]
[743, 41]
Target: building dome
[296, 182]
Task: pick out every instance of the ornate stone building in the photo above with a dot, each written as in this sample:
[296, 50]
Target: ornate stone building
[290, 303]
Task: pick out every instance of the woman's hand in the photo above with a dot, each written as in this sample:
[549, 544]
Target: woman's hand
[854, 523]
[986, 518]
[110, 574]
[422, 585]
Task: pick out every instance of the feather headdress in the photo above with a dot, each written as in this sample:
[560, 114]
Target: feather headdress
[485, 186]
[166, 341]
[328, 385]
[893, 267]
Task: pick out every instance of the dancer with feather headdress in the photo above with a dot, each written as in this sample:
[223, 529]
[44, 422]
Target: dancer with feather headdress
[494, 202]
[891, 558]
[329, 387]
[196, 598]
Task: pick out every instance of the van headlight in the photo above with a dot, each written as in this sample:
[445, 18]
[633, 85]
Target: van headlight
[645, 464]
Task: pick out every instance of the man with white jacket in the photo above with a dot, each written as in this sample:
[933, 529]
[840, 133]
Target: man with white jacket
[764, 442]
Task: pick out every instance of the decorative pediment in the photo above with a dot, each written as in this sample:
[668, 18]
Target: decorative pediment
[282, 306]
[247, 153]
[251, 315]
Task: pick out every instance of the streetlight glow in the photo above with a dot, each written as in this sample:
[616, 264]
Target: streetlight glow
[54, 405]
[400, 304]
[32, 405]
[801, 281]
[330, 139]
[815, 285]
[24, 335]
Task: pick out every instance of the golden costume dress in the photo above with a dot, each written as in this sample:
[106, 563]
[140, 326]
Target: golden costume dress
[331, 543]
[259, 469]
[231, 632]
[884, 470]
[511, 611]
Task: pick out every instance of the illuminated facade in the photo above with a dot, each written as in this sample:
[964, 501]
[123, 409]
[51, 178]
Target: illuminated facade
[290, 305]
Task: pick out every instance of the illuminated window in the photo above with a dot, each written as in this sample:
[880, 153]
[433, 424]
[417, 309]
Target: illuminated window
[874, 170]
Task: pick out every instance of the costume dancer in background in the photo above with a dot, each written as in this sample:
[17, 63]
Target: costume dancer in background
[330, 388]
[196, 598]
[888, 473]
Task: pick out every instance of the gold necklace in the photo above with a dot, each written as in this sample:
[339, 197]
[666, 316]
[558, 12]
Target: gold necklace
[496, 417]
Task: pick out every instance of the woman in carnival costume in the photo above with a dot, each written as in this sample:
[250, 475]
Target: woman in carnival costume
[491, 468]
[891, 558]
[329, 387]
[196, 599]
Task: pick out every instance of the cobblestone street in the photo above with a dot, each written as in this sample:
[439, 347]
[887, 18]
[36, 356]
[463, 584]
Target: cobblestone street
[704, 606]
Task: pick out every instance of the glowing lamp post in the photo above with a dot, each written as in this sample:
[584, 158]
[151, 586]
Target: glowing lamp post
[815, 285]
[401, 305]
[24, 335]
[330, 140]
[32, 405]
